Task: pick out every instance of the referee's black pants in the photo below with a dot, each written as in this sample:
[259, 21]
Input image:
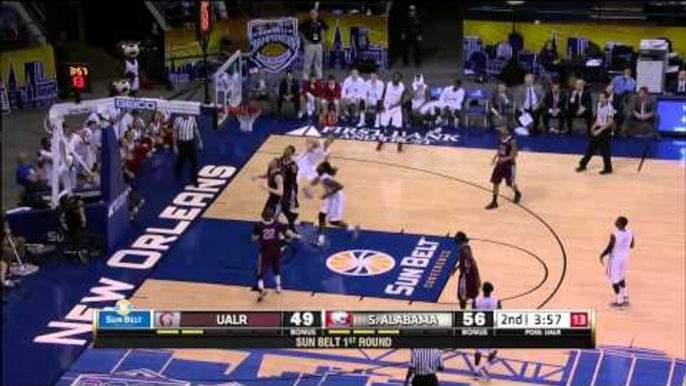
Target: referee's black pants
[425, 380]
[187, 152]
[602, 143]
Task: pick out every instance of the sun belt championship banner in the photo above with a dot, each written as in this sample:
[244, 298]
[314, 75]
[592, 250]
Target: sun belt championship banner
[274, 42]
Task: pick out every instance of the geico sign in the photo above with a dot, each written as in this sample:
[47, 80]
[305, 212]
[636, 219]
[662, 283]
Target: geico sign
[135, 104]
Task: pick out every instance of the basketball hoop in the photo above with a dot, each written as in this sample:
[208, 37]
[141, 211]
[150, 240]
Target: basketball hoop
[246, 115]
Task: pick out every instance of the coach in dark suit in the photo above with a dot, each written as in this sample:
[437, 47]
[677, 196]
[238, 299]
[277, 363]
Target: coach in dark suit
[554, 106]
[678, 87]
[580, 106]
[643, 112]
[289, 92]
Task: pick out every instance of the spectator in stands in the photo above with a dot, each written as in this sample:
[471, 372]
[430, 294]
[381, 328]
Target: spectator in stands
[329, 116]
[411, 36]
[167, 127]
[452, 100]
[580, 106]
[27, 175]
[623, 86]
[138, 125]
[154, 129]
[643, 113]
[311, 33]
[529, 101]
[260, 87]
[127, 144]
[289, 92]
[352, 97]
[678, 87]
[501, 106]
[125, 123]
[331, 94]
[554, 107]
[309, 96]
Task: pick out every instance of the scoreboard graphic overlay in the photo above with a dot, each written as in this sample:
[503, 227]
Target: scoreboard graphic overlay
[344, 329]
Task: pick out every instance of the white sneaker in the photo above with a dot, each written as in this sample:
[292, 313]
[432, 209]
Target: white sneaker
[362, 122]
[300, 114]
[320, 241]
[278, 289]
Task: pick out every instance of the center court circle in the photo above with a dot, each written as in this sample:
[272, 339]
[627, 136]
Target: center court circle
[360, 262]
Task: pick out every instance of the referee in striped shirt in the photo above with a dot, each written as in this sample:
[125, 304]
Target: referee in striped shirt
[185, 136]
[424, 364]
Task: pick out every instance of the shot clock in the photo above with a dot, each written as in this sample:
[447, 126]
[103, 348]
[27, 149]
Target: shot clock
[78, 75]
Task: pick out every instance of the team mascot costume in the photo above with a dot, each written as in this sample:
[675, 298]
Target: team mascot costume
[130, 51]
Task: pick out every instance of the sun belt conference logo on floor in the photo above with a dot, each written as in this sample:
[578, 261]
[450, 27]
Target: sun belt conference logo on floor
[419, 272]
[274, 42]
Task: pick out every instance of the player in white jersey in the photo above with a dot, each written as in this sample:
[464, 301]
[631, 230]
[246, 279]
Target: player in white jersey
[419, 94]
[392, 114]
[485, 302]
[332, 202]
[374, 90]
[353, 96]
[316, 152]
[621, 241]
[452, 98]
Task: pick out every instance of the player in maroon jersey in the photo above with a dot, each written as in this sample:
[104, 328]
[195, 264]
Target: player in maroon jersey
[505, 167]
[289, 200]
[269, 233]
[282, 189]
[469, 281]
[274, 177]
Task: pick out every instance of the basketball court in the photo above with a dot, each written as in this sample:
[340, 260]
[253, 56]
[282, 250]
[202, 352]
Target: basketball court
[542, 253]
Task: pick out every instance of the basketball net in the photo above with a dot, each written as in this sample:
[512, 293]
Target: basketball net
[246, 121]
